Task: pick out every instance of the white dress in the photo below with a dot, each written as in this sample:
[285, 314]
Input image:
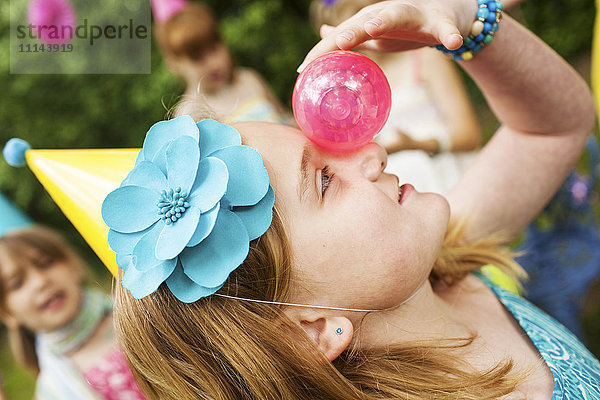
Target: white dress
[414, 113]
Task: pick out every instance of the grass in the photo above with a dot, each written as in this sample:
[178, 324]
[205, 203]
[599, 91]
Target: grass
[18, 383]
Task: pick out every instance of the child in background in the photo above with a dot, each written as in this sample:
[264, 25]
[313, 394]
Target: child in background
[561, 249]
[432, 133]
[194, 50]
[56, 326]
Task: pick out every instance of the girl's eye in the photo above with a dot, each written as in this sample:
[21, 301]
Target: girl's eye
[45, 262]
[14, 284]
[326, 178]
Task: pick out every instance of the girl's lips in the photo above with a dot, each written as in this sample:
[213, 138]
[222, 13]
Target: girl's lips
[217, 76]
[405, 191]
[54, 302]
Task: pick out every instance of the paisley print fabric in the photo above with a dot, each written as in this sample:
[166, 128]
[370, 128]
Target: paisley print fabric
[576, 371]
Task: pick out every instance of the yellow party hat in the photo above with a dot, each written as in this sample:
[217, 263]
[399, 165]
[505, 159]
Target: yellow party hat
[78, 181]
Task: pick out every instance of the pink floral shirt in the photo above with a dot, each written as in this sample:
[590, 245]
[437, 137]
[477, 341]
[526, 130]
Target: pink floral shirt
[112, 379]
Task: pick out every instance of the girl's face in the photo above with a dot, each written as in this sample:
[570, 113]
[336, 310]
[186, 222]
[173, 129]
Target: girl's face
[212, 70]
[359, 241]
[40, 293]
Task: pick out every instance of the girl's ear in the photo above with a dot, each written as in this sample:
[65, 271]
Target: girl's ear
[331, 334]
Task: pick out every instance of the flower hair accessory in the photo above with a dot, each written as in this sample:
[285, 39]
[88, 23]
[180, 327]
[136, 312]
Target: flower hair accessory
[187, 211]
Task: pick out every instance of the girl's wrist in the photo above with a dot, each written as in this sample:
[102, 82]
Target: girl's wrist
[468, 17]
[480, 32]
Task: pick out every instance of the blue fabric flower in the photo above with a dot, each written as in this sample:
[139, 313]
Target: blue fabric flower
[187, 211]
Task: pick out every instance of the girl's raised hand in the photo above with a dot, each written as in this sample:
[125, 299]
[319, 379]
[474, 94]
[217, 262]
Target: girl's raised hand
[399, 25]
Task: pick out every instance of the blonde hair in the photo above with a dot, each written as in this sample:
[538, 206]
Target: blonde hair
[29, 245]
[190, 33]
[226, 349]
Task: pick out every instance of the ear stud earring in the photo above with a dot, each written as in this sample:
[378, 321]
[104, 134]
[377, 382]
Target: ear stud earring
[339, 331]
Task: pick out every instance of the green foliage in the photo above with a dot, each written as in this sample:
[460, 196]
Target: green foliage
[567, 26]
[106, 111]
[73, 111]
[18, 384]
[271, 36]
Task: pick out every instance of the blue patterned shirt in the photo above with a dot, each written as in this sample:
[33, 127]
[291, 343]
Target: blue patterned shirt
[576, 371]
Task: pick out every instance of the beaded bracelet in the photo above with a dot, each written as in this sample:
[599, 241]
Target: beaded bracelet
[482, 32]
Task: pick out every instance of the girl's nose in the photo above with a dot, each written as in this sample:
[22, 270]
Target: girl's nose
[37, 278]
[373, 160]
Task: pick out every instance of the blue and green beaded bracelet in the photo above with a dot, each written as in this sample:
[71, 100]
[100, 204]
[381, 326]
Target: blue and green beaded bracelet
[482, 31]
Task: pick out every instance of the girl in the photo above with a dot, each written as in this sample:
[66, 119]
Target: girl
[56, 327]
[358, 288]
[432, 133]
[194, 50]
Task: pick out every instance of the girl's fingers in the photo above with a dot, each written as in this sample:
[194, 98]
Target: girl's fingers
[389, 45]
[398, 17]
[345, 36]
[376, 27]
[407, 22]
[325, 30]
[351, 37]
[448, 34]
[325, 45]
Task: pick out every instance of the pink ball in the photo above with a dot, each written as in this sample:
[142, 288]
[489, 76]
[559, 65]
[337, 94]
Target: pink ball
[341, 100]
